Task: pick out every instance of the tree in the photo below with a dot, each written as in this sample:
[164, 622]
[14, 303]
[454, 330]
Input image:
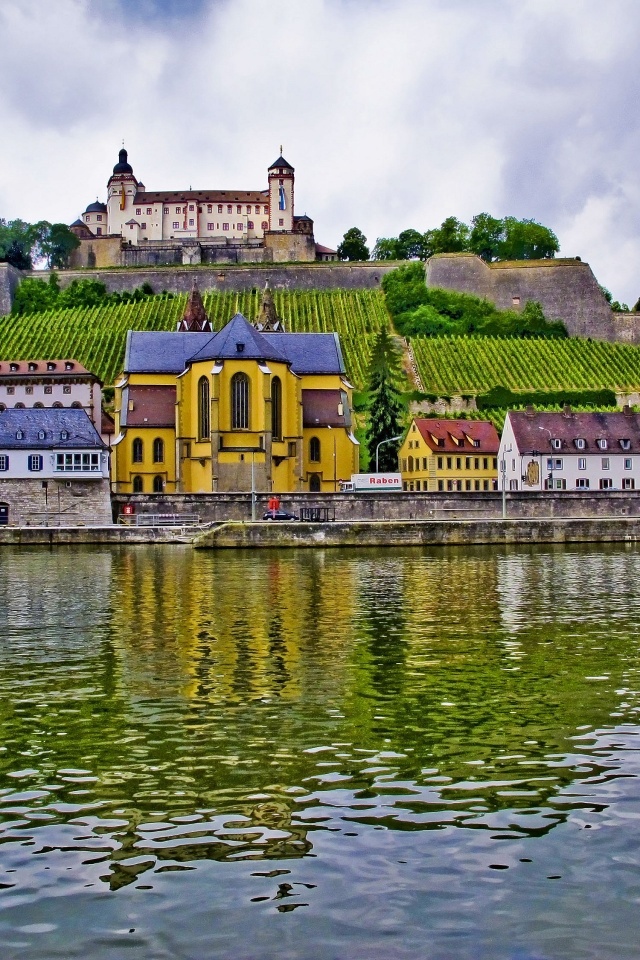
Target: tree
[57, 243]
[411, 245]
[353, 246]
[486, 235]
[527, 240]
[17, 240]
[386, 409]
[386, 248]
[452, 236]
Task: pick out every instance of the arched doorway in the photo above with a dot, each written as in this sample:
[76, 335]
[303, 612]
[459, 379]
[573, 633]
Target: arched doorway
[314, 483]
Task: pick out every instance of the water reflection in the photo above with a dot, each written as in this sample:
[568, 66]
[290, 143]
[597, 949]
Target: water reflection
[162, 709]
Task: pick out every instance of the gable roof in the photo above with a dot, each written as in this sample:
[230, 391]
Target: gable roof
[463, 431]
[280, 162]
[150, 351]
[81, 433]
[239, 333]
[535, 430]
[56, 368]
[201, 196]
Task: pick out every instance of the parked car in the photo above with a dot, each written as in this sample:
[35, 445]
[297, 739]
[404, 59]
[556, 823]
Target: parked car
[279, 515]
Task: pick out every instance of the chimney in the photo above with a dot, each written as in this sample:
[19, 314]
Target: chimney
[530, 410]
[628, 412]
[566, 410]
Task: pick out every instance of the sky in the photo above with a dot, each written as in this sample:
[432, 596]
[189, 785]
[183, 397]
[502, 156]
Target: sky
[394, 113]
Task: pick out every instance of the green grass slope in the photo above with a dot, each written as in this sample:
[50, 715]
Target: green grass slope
[96, 336]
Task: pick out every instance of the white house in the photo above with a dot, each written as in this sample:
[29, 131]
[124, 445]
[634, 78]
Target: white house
[54, 468]
[50, 383]
[570, 451]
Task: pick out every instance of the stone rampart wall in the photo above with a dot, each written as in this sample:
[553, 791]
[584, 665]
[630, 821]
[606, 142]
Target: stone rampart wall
[212, 507]
[9, 280]
[567, 290]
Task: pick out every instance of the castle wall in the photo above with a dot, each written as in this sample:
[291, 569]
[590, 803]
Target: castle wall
[566, 289]
[9, 280]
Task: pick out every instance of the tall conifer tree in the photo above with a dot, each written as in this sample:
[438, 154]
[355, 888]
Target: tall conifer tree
[386, 410]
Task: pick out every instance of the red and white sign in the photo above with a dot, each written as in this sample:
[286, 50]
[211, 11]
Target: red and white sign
[377, 481]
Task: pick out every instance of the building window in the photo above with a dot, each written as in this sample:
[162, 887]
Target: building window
[191, 207]
[467, 484]
[410, 465]
[240, 227]
[209, 226]
[606, 483]
[476, 463]
[449, 462]
[580, 443]
[85, 462]
[4, 462]
[266, 210]
[158, 484]
[166, 210]
[628, 483]
[225, 226]
[554, 463]
[276, 408]
[11, 391]
[485, 484]
[57, 405]
[424, 463]
[149, 211]
[158, 450]
[439, 463]
[476, 484]
[314, 450]
[440, 485]
[28, 390]
[238, 209]
[229, 208]
[137, 450]
[240, 401]
[209, 208]
[467, 463]
[143, 226]
[555, 484]
[281, 223]
[458, 463]
[176, 225]
[19, 406]
[582, 463]
[178, 209]
[495, 463]
[582, 483]
[606, 463]
[314, 483]
[98, 231]
[513, 484]
[191, 223]
[602, 443]
[628, 463]
[556, 444]
[204, 409]
[138, 211]
[35, 462]
[250, 225]
[137, 484]
[485, 463]
[219, 208]
[265, 225]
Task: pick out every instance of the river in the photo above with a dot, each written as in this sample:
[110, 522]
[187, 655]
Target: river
[404, 754]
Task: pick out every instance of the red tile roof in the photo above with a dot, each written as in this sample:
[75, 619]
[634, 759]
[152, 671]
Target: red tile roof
[320, 408]
[41, 366]
[463, 431]
[151, 406]
[536, 430]
[201, 196]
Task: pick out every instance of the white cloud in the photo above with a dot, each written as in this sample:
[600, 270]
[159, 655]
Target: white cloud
[395, 114]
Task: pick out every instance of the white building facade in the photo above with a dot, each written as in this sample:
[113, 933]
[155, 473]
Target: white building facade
[50, 384]
[570, 451]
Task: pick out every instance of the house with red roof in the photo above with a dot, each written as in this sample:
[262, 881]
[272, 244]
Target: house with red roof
[449, 455]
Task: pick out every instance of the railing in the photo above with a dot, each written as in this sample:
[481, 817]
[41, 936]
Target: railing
[160, 519]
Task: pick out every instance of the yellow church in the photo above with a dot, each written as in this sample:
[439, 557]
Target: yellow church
[251, 407]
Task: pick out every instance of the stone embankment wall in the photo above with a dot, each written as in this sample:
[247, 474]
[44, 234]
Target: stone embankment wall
[567, 290]
[416, 533]
[212, 507]
[56, 502]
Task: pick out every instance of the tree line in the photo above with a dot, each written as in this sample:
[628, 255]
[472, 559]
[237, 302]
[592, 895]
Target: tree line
[25, 244]
[487, 236]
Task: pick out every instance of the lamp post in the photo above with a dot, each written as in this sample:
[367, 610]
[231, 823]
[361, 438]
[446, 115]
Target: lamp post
[503, 471]
[388, 440]
[546, 430]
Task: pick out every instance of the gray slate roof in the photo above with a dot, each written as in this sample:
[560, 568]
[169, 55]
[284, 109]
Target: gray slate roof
[81, 433]
[159, 352]
[534, 431]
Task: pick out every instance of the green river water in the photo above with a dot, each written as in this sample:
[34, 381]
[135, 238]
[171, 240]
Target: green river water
[324, 755]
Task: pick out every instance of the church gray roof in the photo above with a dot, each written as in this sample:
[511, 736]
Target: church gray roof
[55, 422]
[150, 351]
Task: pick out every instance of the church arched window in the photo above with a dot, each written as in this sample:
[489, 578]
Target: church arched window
[158, 484]
[240, 401]
[137, 450]
[137, 484]
[276, 408]
[158, 450]
[314, 450]
[204, 409]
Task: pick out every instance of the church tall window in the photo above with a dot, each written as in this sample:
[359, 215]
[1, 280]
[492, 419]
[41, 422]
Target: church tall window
[204, 409]
[137, 484]
[314, 450]
[137, 450]
[158, 450]
[276, 408]
[158, 484]
[240, 402]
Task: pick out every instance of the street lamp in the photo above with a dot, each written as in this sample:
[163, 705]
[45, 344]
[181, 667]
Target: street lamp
[389, 440]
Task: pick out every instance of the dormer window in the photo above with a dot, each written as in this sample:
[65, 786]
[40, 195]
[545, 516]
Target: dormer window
[14, 367]
[476, 443]
[68, 365]
[556, 443]
[602, 443]
[625, 444]
[64, 435]
[51, 366]
[580, 443]
[33, 366]
[19, 435]
[240, 347]
[41, 434]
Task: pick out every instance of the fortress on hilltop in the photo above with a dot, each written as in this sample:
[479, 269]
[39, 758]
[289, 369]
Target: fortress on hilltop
[140, 227]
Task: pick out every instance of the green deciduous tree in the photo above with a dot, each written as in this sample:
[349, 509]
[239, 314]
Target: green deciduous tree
[56, 243]
[486, 236]
[526, 240]
[354, 245]
[386, 248]
[385, 407]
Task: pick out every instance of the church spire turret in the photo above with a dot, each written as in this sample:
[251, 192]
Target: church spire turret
[268, 320]
[195, 319]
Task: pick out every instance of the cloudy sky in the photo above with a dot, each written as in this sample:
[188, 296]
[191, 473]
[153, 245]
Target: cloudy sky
[395, 113]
